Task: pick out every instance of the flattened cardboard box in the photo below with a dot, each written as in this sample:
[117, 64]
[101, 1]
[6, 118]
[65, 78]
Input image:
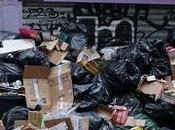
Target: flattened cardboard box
[36, 87]
[60, 85]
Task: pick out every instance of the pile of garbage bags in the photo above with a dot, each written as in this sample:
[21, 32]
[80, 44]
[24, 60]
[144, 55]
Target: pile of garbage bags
[67, 83]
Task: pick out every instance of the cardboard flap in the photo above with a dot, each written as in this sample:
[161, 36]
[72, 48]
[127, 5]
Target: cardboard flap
[51, 123]
[37, 72]
[64, 69]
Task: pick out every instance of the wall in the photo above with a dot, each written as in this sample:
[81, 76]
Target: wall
[152, 21]
[10, 15]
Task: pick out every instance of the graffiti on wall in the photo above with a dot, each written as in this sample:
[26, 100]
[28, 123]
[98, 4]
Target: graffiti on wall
[45, 18]
[126, 22]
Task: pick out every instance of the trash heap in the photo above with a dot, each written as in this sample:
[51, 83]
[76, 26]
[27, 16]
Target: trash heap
[60, 81]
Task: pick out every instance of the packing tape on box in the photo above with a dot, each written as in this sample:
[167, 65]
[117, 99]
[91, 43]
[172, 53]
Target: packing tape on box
[60, 82]
[36, 91]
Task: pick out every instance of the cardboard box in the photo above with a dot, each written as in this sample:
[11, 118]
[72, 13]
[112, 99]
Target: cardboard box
[37, 88]
[56, 57]
[58, 123]
[60, 86]
[50, 88]
[18, 123]
[53, 48]
[35, 118]
[152, 88]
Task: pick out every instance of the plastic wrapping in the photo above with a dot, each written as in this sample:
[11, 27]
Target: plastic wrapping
[6, 35]
[93, 93]
[149, 56]
[16, 113]
[130, 101]
[10, 72]
[76, 35]
[162, 112]
[80, 75]
[121, 76]
[31, 57]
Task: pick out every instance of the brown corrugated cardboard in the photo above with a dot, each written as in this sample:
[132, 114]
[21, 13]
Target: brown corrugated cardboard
[60, 85]
[34, 117]
[50, 45]
[152, 88]
[19, 123]
[56, 57]
[52, 123]
[49, 88]
[36, 87]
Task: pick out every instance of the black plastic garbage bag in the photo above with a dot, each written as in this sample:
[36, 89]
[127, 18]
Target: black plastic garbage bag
[159, 67]
[121, 76]
[104, 37]
[137, 52]
[76, 35]
[10, 72]
[86, 106]
[9, 101]
[31, 57]
[7, 58]
[16, 113]
[80, 75]
[7, 35]
[72, 55]
[149, 56]
[98, 123]
[162, 112]
[95, 92]
[130, 101]
[159, 64]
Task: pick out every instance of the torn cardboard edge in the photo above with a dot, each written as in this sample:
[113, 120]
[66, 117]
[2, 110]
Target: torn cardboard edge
[54, 54]
[70, 123]
[87, 55]
[49, 45]
[151, 87]
[49, 88]
[56, 57]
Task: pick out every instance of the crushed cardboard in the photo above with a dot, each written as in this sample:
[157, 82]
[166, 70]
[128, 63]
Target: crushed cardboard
[152, 88]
